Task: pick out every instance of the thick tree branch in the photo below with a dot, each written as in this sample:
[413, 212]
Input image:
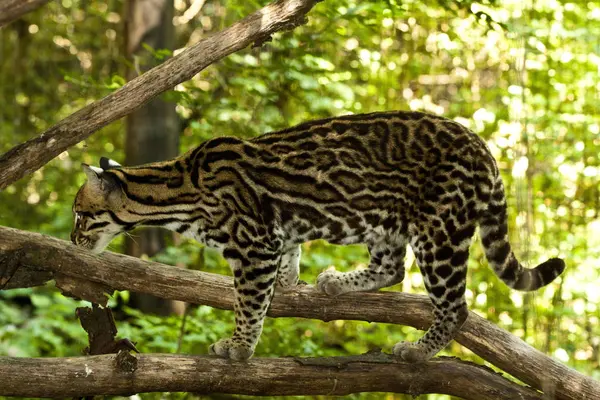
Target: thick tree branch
[125, 374]
[14, 9]
[27, 157]
[23, 252]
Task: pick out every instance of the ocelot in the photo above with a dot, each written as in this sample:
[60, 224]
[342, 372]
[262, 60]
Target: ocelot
[387, 179]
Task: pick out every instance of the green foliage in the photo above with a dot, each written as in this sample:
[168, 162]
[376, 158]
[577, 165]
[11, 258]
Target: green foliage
[45, 326]
[524, 78]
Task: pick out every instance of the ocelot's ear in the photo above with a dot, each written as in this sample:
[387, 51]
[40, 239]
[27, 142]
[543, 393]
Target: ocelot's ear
[107, 163]
[93, 174]
[98, 180]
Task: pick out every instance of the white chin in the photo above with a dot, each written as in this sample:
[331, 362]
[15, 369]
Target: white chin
[101, 244]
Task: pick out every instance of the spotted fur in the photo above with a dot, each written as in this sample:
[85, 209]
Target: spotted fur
[384, 179]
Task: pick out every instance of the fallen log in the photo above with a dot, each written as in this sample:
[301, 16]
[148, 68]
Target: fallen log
[126, 374]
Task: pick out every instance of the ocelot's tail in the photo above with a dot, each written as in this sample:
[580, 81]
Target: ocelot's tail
[494, 235]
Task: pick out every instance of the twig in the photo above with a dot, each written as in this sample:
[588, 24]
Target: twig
[182, 328]
[11, 10]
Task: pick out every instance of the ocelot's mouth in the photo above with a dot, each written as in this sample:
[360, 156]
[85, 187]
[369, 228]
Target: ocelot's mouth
[85, 241]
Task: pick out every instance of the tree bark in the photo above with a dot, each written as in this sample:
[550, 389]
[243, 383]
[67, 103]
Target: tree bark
[11, 10]
[125, 374]
[152, 130]
[27, 157]
[27, 257]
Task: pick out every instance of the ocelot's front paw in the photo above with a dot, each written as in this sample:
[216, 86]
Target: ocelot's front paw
[410, 352]
[330, 283]
[231, 348]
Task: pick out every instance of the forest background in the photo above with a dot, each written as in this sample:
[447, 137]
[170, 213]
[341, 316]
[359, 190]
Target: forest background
[525, 75]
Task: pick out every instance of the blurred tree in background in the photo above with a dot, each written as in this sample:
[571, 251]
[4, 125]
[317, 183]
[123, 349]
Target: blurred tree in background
[524, 75]
[152, 130]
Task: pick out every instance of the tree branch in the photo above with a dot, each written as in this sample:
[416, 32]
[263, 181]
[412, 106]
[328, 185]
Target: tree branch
[27, 157]
[125, 374]
[25, 256]
[11, 10]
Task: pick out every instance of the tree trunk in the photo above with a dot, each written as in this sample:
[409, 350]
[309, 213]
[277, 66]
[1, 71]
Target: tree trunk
[152, 130]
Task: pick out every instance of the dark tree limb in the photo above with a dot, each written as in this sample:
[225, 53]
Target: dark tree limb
[99, 324]
[27, 157]
[126, 374]
[11, 10]
[490, 342]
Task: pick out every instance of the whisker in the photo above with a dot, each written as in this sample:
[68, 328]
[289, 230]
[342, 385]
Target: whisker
[112, 248]
[132, 237]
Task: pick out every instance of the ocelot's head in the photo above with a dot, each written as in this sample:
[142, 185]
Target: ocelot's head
[97, 207]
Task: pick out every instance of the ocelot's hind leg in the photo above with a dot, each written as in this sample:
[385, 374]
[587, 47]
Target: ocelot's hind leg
[442, 260]
[386, 268]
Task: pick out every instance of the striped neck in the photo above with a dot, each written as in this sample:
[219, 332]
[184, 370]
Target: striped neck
[158, 194]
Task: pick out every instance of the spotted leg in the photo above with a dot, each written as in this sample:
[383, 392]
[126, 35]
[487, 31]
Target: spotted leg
[385, 269]
[254, 281]
[442, 261]
[289, 269]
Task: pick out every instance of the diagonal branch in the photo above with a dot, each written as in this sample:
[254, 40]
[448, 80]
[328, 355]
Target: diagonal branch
[27, 257]
[11, 10]
[125, 374]
[27, 157]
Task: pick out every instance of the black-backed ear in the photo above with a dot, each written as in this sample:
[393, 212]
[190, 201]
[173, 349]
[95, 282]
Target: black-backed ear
[107, 163]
